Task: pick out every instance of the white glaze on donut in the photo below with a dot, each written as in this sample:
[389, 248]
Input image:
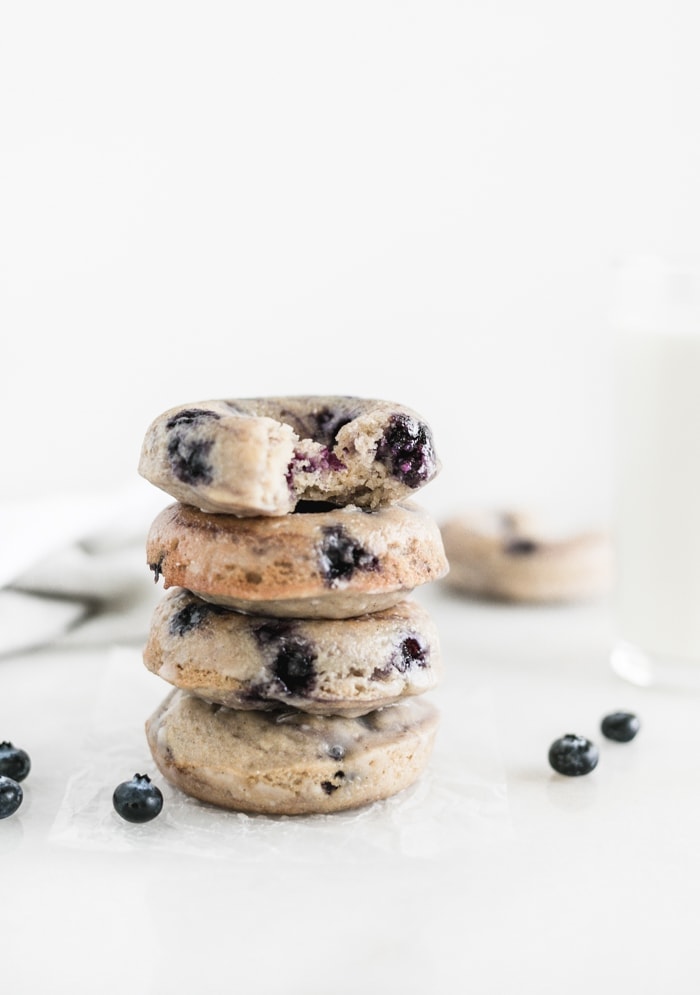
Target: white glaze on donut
[289, 763]
[322, 666]
[334, 563]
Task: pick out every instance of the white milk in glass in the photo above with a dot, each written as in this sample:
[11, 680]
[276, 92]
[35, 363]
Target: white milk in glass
[657, 460]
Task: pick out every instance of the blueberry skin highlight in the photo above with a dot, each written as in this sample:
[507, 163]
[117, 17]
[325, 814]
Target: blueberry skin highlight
[14, 763]
[620, 726]
[573, 755]
[137, 800]
[11, 796]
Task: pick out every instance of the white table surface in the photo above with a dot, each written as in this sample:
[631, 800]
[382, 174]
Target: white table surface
[585, 885]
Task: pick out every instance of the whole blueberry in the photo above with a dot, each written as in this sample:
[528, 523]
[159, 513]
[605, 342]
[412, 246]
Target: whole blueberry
[14, 763]
[620, 726]
[11, 796]
[137, 800]
[573, 755]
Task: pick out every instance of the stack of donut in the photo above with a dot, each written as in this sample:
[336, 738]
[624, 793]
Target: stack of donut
[297, 657]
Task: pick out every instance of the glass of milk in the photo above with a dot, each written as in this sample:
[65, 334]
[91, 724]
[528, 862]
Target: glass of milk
[656, 521]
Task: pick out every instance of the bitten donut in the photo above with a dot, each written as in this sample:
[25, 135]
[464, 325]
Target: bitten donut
[289, 763]
[323, 666]
[334, 563]
[260, 456]
[511, 556]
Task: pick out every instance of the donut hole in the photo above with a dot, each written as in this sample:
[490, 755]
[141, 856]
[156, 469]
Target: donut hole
[314, 507]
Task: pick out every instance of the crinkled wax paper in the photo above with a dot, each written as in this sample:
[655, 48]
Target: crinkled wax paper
[460, 798]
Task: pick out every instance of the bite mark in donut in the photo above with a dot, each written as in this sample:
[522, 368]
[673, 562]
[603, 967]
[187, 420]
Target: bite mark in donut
[261, 456]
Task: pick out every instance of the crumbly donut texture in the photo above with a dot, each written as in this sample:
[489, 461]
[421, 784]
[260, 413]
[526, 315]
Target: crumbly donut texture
[511, 556]
[335, 563]
[261, 456]
[323, 666]
[289, 762]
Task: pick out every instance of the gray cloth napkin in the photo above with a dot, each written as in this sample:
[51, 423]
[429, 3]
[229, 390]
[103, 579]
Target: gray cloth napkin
[73, 568]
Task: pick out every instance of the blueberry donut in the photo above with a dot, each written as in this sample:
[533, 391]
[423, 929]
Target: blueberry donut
[289, 762]
[511, 556]
[323, 666]
[320, 562]
[261, 456]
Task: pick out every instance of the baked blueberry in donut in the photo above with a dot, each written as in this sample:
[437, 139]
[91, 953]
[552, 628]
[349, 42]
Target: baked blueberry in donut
[188, 453]
[191, 416]
[192, 615]
[411, 652]
[406, 448]
[291, 657]
[341, 555]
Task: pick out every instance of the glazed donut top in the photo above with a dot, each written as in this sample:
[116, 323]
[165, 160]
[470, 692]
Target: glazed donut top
[261, 456]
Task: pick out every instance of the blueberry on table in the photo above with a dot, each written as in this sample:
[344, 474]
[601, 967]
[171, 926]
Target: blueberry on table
[11, 796]
[14, 763]
[137, 800]
[573, 755]
[620, 726]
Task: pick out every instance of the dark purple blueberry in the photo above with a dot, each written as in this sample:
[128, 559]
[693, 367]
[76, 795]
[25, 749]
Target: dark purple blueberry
[11, 796]
[191, 416]
[340, 555]
[189, 458]
[191, 616]
[137, 800]
[157, 569]
[620, 726]
[291, 657]
[406, 449]
[573, 755]
[329, 787]
[188, 454]
[14, 763]
[336, 752]
[411, 653]
[520, 547]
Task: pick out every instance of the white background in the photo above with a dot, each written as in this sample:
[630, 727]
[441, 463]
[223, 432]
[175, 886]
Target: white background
[416, 201]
